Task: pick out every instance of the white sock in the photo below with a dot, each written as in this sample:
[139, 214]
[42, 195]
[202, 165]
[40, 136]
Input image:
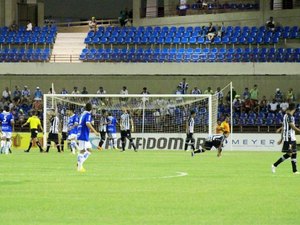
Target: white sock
[79, 161]
[8, 144]
[2, 146]
[115, 142]
[85, 156]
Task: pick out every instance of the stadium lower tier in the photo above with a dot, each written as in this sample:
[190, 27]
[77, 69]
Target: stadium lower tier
[25, 55]
[191, 55]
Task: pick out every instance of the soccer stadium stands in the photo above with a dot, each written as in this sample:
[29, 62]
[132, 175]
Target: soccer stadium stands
[189, 44]
[24, 46]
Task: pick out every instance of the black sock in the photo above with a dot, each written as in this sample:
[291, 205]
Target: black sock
[294, 162]
[58, 147]
[185, 146]
[29, 147]
[48, 146]
[100, 143]
[123, 146]
[132, 144]
[281, 159]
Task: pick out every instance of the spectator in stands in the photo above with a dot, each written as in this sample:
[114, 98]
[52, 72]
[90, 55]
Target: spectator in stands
[124, 91]
[284, 106]
[75, 90]
[6, 94]
[246, 94]
[26, 93]
[157, 119]
[237, 104]
[93, 24]
[270, 24]
[204, 4]
[123, 18]
[183, 86]
[29, 26]
[51, 91]
[221, 30]
[178, 92]
[145, 91]
[64, 91]
[263, 104]
[278, 95]
[208, 91]
[254, 95]
[38, 94]
[101, 91]
[228, 95]
[211, 32]
[37, 106]
[219, 93]
[196, 91]
[17, 93]
[84, 91]
[13, 27]
[290, 95]
[273, 106]
[182, 7]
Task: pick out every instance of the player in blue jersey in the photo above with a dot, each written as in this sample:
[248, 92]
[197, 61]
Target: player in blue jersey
[72, 129]
[111, 128]
[7, 121]
[84, 127]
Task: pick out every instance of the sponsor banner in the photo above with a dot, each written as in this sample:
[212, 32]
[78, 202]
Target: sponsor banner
[20, 141]
[176, 141]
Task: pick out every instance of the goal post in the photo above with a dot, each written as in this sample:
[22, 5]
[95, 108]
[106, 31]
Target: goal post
[159, 115]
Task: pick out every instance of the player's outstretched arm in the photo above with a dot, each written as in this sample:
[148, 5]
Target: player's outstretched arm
[89, 125]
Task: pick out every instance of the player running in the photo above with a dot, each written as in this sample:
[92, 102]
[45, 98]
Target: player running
[216, 141]
[126, 126]
[7, 120]
[288, 137]
[84, 127]
[72, 129]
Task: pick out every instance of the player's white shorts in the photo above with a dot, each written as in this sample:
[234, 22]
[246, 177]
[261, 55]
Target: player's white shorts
[112, 135]
[6, 134]
[72, 137]
[84, 145]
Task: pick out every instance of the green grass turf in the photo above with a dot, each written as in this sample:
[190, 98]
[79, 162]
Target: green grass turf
[138, 188]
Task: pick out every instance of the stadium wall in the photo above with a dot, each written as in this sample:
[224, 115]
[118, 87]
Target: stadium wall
[135, 77]
[288, 17]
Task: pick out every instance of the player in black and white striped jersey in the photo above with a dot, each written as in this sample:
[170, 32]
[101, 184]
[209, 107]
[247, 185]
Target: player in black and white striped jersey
[102, 128]
[216, 140]
[64, 130]
[288, 137]
[190, 123]
[53, 132]
[126, 127]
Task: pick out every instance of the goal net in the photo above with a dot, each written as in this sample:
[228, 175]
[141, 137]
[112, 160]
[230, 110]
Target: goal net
[158, 119]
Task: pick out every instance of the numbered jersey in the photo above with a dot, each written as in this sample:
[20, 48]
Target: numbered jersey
[83, 130]
[125, 121]
[111, 125]
[6, 118]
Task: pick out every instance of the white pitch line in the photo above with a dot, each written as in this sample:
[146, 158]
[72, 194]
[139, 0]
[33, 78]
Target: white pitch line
[178, 174]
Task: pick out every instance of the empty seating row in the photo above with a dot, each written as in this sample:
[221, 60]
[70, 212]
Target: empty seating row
[37, 36]
[24, 55]
[191, 55]
[226, 6]
[183, 40]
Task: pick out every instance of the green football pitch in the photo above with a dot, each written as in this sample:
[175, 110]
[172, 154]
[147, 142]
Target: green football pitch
[148, 187]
